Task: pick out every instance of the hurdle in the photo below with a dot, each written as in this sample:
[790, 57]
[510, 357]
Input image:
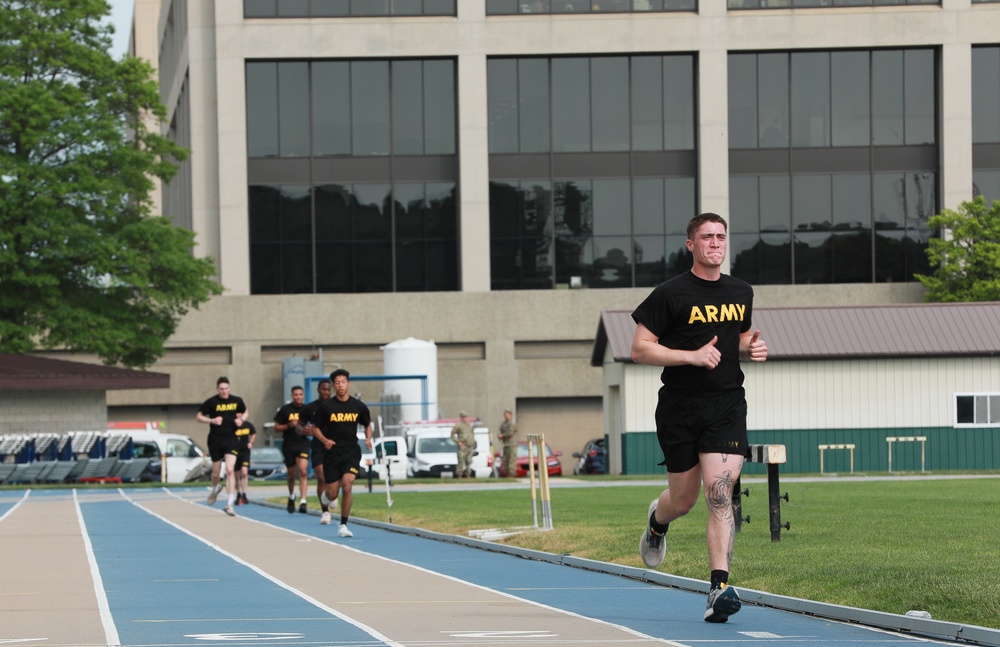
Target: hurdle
[823, 448]
[536, 442]
[908, 439]
[772, 456]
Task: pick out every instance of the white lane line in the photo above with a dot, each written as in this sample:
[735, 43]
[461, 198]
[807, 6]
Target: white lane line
[311, 600]
[638, 634]
[16, 505]
[110, 630]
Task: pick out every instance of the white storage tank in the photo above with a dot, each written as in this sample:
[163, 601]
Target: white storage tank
[412, 357]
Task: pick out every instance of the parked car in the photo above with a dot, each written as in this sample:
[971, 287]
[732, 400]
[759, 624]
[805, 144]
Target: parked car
[267, 464]
[432, 452]
[551, 459]
[591, 460]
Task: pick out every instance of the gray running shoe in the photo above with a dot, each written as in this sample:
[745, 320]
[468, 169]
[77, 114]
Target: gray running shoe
[722, 603]
[214, 494]
[229, 510]
[652, 547]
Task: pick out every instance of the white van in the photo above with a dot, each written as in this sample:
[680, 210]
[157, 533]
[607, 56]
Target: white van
[387, 455]
[185, 461]
[433, 453]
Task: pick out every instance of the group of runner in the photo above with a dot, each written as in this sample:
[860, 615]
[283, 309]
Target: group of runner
[324, 431]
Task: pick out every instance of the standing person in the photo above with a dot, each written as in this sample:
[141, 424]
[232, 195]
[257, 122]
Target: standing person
[295, 447]
[507, 435]
[465, 441]
[318, 447]
[224, 414]
[338, 420]
[245, 436]
[697, 327]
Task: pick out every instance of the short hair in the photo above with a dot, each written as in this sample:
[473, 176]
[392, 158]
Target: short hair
[338, 373]
[701, 219]
[324, 381]
[222, 380]
[297, 388]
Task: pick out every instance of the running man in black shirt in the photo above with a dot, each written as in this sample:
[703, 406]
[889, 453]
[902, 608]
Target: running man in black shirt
[224, 414]
[317, 446]
[697, 327]
[338, 420]
[295, 447]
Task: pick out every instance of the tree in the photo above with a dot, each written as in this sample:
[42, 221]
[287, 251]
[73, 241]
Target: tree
[967, 256]
[83, 264]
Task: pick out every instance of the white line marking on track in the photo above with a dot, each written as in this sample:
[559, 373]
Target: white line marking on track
[12, 509]
[638, 634]
[311, 600]
[110, 630]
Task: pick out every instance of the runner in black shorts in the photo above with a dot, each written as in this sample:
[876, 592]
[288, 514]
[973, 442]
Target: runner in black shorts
[295, 447]
[697, 327]
[338, 420]
[317, 447]
[245, 436]
[224, 414]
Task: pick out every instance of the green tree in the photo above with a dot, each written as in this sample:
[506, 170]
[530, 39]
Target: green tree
[967, 256]
[84, 265]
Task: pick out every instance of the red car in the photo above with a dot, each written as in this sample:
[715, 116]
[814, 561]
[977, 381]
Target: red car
[552, 460]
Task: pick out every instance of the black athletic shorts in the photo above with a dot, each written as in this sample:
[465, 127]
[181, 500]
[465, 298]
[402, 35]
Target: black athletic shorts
[318, 453]
[341, 461]
[295, 449]
[243, 458]
[221, 444]
[689, 424]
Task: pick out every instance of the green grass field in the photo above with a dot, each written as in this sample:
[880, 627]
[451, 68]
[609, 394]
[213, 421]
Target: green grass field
[889, 546]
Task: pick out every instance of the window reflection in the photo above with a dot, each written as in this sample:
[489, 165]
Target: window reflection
[848, 222]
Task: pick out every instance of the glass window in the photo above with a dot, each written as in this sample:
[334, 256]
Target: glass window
[985, 95]
[743, 100]
[502, 104]
[849, 223]
[810, 99]
[262, 109]
[533, 106]
[679, 102]
[771, 94]
[331, 108]
[407, 108]
[887, 98]
[293, 109]
[977, 409]
[370, 107]
[850, 115]
[610, 100]
[647, 103]
[439, 98]
[571, 121]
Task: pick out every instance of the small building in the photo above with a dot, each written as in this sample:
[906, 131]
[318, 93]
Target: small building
[39, 394]
[855, 375]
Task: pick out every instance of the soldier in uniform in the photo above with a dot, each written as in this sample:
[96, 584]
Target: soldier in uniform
[508, 431]
[465, 439]
[245, 435]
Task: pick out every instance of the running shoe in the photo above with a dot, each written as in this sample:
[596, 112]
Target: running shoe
[344, 531]
[324, 519]
[652, 546]
[239, 499]
[723, 602]
[214, 494]
[291, 506]
[229, 510]
[302, 507]
[246, 501]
